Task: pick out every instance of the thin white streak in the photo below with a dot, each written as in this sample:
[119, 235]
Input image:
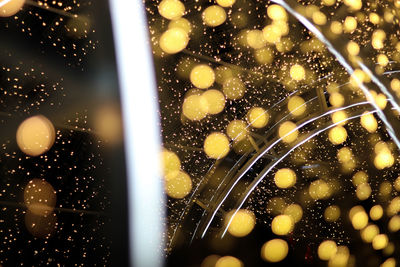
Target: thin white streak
[5, 2]
[391, 72]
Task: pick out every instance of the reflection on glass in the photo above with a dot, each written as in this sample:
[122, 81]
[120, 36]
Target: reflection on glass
[39, 197]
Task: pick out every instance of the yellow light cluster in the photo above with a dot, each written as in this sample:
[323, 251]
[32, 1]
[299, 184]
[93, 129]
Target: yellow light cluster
[198, 105]
[177, 183]
[383, 156]
[368, 122]
[378, 39]
[279, 27]
[327, 249]
[358, 217]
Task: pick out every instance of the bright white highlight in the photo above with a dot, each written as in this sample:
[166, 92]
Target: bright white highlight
[142, 144]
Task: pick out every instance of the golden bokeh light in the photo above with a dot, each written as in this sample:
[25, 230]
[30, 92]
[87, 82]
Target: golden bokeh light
[285, 178]
[368, 122]
[178, 186]
[359, 220]
[233, 88]
[297, 72]
[295, 211]
[276, 12]
[202, 76]
[389, 249]
[237, 130]
[394, 224]
[214, 16]
[171, 163]
[257, 117]
[272, 33]
[359, 177]
[336, 99]
[326, 250]
[215, 100]
[226, 3]
[339, 117]
[341, 258]
[332, 213]
[353, 48]
[363, 191]
[40, 197]
[210, 261]
[282, 224]
[369, 232]
[242, 222]
[216, 145]
[328, 2]
[319, 18]
[383, 159]
[35, 135]
[174, 40]
[195, 107]
[297, 106]
[396, 184]
[337, 135]
[319, 189]
[264, 55]
[181, 23]
[228, 261]
[41, 226]
[380, 241]
[345, 155]
[255, 39]
[108, 124]
[171, 9]
[274, 250]
[376, 212]
[394, 207]
[391, 262]
[288, 132]
[350, 24]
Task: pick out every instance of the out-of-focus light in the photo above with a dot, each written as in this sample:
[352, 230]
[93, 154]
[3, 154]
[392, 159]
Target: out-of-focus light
[10, 7]
[35, 135]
